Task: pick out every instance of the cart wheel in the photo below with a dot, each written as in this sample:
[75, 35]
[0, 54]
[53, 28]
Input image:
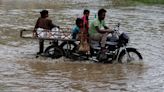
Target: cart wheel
[54, 52]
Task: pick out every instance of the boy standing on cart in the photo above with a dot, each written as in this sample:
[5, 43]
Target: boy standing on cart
[44, 23]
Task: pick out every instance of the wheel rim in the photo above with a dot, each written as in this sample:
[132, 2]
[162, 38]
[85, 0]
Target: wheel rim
[69, 49]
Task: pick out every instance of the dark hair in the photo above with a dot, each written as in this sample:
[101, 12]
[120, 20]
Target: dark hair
[101, 11]
[43, 13]
[78, 21]
[86, 11]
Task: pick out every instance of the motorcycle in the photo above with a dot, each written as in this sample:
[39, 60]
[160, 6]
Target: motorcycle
[116, 49]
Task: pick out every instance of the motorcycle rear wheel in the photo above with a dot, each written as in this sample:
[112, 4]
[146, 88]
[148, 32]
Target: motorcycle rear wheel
[133, 57]
[54, 52]
[68, 48]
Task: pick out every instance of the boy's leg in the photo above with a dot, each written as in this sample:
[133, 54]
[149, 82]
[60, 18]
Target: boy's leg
[41, 46]
[103, 41]
[95, 37]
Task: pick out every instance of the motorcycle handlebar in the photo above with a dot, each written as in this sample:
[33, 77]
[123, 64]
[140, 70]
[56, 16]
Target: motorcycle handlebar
[118, 25]
[116, 29]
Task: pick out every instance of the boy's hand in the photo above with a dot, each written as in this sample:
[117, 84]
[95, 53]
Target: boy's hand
[34, 34]
[58, 27]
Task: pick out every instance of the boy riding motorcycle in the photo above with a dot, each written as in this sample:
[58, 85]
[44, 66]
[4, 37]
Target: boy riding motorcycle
[98, 30]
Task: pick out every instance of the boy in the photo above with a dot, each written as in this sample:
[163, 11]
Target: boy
[76, 30]
[85, 19]
[79, 29]
[45, 24]
[98, 30]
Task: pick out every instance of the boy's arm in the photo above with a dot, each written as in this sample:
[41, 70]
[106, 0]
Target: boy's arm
[34, 30]
[74, 33]
[99, 31]
[53, 25]
[103, 31]
[106, 27]
[36, 25]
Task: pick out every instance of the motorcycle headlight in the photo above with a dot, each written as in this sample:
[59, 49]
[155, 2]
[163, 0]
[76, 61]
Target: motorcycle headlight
[124, 38]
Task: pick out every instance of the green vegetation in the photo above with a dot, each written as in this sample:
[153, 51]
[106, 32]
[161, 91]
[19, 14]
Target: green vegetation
[136, 2]
[2, 88]
[150, 1]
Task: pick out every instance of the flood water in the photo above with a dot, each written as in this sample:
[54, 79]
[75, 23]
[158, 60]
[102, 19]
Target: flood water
[20, 71]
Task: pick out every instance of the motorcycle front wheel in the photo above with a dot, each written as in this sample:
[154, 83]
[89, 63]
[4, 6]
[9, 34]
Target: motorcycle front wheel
[131, 55]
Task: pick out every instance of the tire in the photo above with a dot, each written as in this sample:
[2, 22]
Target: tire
[135, 56]
[68, 47]
[54, 52]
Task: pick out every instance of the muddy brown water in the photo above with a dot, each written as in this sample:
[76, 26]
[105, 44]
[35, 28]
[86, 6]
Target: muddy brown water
[20, 71]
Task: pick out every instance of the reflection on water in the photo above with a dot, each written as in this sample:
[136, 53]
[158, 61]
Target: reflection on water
[83, 76]
[20, 71]
[85, 71]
